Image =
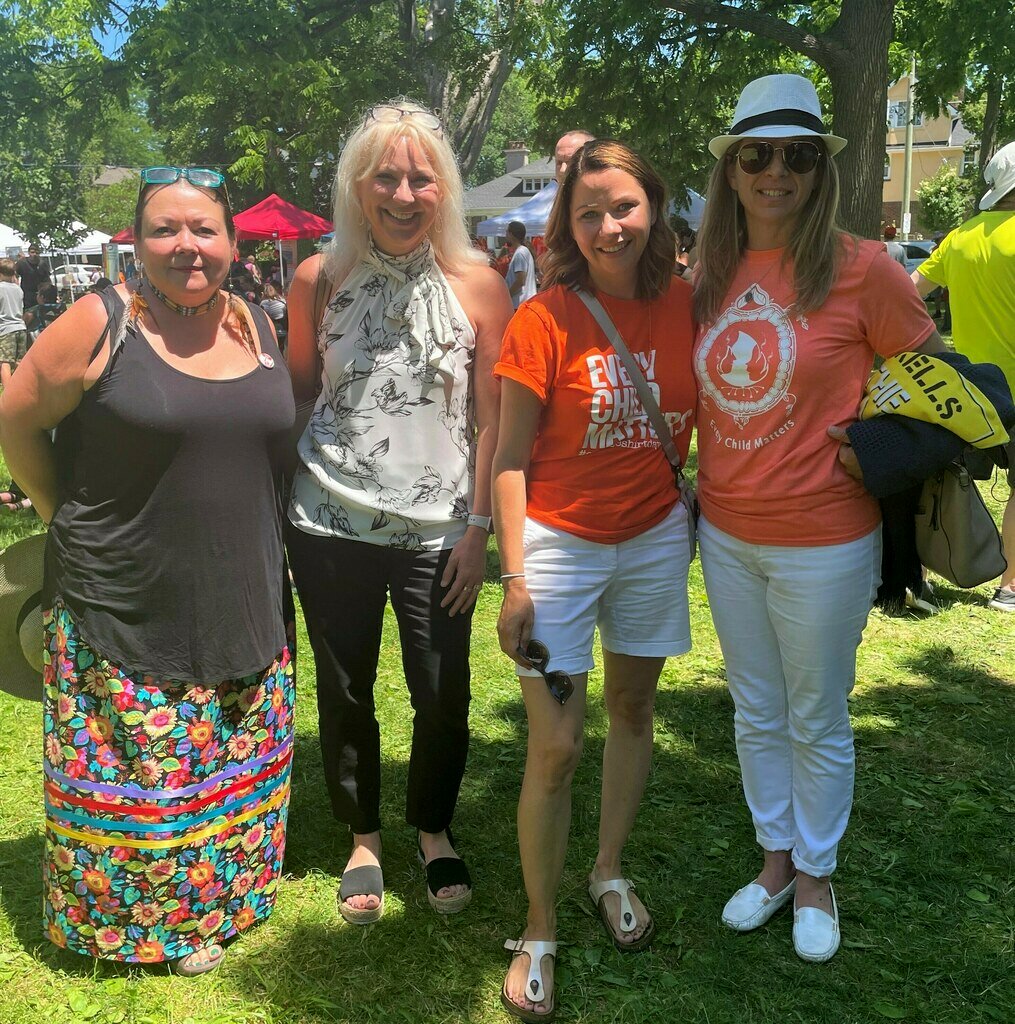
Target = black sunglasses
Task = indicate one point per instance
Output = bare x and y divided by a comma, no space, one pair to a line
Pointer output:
559,683
799,157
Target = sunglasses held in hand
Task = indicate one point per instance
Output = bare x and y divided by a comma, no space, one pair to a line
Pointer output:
559,684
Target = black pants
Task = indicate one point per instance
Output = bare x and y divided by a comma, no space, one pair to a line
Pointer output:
343,587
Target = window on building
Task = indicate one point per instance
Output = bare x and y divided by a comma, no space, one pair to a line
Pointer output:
888,166
897,115
530,186
968,162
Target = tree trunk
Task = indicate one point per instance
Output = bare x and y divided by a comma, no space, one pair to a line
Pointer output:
991,114
854,54
859,76
467,122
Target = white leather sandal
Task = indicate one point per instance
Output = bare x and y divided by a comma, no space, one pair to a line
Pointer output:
535,990
628,920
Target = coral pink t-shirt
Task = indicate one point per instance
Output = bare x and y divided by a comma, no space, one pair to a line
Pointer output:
771,382
597,469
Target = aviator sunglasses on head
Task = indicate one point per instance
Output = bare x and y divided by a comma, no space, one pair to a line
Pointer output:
386,113
203,177
799,157
559,684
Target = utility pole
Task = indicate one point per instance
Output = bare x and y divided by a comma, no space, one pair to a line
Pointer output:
907,164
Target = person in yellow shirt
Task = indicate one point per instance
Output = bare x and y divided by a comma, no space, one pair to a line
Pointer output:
976,263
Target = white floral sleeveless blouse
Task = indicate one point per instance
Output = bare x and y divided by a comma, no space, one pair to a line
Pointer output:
388,456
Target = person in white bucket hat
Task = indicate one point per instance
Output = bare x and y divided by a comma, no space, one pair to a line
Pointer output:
976,263
792,312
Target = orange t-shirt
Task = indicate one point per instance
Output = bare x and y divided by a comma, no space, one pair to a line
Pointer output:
772,382
597,469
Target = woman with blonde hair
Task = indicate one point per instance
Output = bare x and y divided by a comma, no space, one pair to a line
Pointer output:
395,329
590,529
792,313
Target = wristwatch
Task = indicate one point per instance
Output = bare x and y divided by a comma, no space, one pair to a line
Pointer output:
483,522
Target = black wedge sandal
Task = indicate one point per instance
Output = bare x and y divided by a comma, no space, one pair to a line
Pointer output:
442,872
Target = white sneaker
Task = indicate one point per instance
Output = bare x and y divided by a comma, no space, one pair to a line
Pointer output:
750,907
816,934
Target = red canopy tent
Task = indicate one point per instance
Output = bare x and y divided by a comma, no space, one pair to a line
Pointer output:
126,235
273,219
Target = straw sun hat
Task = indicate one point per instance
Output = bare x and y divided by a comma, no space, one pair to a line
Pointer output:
21,618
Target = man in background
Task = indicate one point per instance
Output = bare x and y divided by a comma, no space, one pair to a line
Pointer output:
976,263
567,145
32,272
895,250
521,271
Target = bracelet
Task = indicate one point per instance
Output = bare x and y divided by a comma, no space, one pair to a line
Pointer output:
512,576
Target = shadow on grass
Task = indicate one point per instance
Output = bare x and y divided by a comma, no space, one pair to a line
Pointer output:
923,839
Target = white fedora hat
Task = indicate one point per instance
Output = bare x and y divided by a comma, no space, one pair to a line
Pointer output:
777,107
999,174
21,638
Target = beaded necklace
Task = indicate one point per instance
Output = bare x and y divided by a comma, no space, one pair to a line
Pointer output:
204,307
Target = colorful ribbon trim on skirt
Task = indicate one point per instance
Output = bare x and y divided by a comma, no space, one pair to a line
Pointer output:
125,816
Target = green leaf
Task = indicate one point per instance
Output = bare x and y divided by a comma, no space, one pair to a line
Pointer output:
890,1010
77,1001
977,896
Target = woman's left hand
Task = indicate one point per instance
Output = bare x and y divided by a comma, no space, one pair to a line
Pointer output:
847,457
464,573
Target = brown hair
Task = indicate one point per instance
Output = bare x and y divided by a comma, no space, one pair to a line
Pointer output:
815,246
563,262
7,268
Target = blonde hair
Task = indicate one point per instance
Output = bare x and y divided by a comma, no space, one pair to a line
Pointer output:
369,142
563,262
815,247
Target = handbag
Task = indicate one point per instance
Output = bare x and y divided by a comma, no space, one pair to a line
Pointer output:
662,431
956,535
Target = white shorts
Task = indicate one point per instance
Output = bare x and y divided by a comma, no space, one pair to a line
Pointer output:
635,591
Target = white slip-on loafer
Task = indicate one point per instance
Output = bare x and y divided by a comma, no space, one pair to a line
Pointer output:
816,934
751,906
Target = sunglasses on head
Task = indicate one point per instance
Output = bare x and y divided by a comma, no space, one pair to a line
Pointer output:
558,683
799,157
387,113
203,177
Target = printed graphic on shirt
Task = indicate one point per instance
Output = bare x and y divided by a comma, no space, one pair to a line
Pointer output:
617,418
744,365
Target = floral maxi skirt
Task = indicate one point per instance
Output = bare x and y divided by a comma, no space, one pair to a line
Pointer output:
166,802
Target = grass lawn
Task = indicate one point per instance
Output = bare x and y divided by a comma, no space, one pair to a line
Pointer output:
925,883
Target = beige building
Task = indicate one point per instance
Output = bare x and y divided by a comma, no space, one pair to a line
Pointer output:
936,141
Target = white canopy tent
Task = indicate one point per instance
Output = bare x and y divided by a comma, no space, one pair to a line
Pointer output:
9,239
533,213
694,210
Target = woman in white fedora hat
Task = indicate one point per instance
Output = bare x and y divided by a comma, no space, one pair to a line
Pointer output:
792,312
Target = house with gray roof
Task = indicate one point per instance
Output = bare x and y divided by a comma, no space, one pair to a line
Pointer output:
520,182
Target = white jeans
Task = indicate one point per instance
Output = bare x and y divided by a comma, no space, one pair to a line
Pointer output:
789,621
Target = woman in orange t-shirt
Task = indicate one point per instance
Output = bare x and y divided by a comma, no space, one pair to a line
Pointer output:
590,530
792,313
